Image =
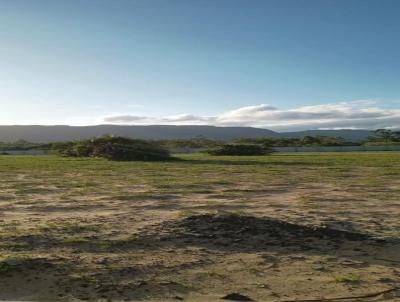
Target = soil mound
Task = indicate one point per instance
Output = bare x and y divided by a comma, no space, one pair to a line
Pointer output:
227,229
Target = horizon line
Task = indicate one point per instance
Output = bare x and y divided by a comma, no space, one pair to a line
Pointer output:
163,125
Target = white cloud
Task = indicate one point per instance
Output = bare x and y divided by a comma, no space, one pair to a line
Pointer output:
354,115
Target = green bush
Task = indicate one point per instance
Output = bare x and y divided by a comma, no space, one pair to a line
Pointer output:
115,148
240,149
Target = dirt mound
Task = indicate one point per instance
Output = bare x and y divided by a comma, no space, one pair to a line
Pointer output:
230,229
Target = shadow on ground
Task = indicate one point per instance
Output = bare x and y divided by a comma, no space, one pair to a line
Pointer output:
221,233
239,233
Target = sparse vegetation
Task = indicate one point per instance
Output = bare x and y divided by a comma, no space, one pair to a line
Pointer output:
351,278
65,227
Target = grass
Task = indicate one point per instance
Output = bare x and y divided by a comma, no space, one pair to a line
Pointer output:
351,278
75,241
195,174
24,178
65,227
189,174
121,242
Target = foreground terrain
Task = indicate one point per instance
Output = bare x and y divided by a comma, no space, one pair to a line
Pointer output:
286,227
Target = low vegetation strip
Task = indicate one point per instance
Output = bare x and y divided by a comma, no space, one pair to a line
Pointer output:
380,137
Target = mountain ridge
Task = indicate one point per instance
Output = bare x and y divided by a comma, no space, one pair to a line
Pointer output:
44,134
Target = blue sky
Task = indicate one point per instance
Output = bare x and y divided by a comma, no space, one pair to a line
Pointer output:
283,65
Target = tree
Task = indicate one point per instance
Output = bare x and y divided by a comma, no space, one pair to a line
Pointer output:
115,148
385,135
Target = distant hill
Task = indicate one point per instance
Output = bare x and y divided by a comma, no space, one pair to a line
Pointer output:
64,133
347,134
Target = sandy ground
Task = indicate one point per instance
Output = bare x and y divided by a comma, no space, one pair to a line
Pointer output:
269,243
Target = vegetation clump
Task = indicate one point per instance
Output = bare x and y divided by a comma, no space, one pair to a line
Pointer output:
352,278
115,148
240,149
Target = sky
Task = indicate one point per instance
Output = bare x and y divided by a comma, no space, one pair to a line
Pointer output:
277,64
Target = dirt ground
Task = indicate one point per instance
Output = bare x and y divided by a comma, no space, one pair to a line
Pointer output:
278,228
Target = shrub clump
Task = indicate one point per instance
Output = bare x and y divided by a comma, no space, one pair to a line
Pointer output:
115,148
240,149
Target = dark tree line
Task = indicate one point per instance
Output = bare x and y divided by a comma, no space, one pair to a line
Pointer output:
109,144
306,141
19,145
385,135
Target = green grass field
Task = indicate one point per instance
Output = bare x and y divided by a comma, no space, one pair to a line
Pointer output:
197,173
91,229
